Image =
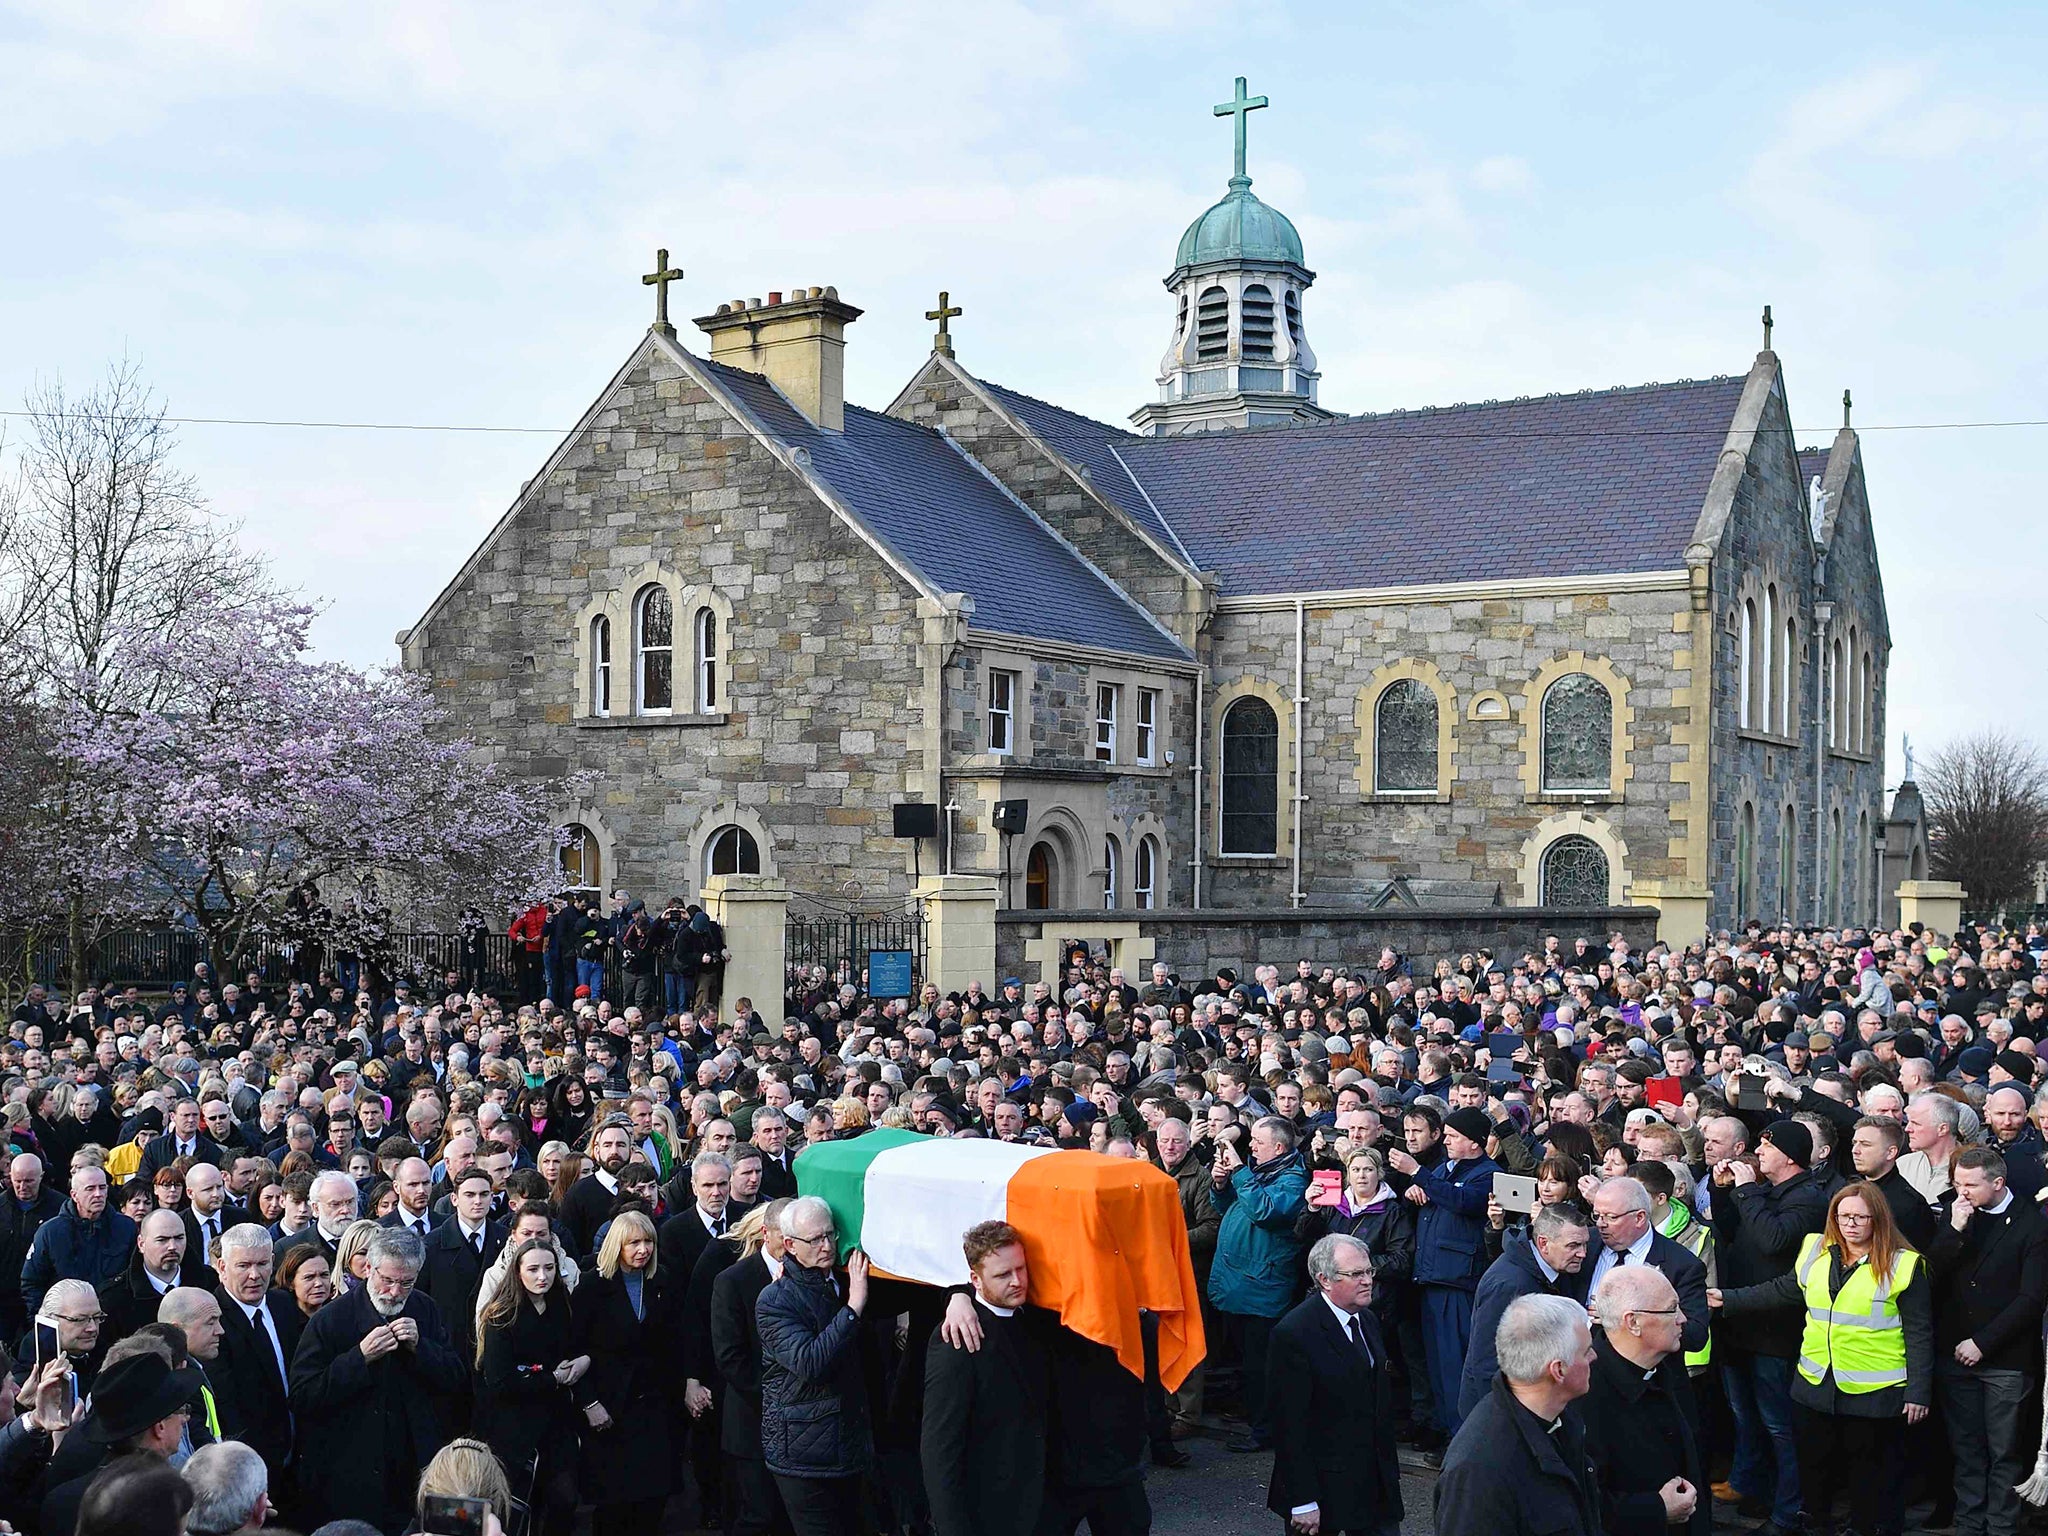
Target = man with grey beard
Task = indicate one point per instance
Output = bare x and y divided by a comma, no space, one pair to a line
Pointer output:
372,1386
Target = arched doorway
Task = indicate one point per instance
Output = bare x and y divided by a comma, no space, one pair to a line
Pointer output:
1041,877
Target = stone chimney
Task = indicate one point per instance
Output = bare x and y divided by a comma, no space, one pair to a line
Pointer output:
796,340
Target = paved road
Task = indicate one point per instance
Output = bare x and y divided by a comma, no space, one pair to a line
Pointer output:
1219,1494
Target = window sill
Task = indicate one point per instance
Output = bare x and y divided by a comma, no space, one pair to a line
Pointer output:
1848,756
648,722
1408,797
1767,738
1248,858
1573,797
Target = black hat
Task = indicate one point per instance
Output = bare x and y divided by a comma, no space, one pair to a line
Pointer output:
1469,1123
1791,1139
132,1394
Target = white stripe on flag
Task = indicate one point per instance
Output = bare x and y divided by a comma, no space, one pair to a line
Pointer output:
920,1201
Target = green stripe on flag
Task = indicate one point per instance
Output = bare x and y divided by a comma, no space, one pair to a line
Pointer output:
837,1172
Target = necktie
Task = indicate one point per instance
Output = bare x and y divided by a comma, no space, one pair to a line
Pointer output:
478,1240
1358,1338
261,1318
1621,1258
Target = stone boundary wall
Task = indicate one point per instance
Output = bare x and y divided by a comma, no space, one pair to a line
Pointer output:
1195,943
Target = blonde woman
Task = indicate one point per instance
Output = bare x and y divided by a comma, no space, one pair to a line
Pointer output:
352,1256
465,1469
628,1315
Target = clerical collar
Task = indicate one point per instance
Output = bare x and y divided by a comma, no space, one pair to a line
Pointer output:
1999,1209
999,1311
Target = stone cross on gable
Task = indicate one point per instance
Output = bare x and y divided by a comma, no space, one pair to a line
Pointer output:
659,279
943,342
1238,107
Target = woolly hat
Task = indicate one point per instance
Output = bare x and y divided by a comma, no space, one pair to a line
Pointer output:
1470,1123
1791,1139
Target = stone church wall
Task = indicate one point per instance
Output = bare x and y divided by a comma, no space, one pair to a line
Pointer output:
1768,540
1488,658
939,400
825,725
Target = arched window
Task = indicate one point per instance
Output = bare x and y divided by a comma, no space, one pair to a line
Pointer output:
1788,680
654,645
1853,729
1145,882
1867,707
1578,734
1574,874
1256,310
1837,715
1745,666
705,638
1745,863
1788,867
1767,665
1112,873
732,851
1404,737
600,665
1251,777
582,865
1212,326
1040,877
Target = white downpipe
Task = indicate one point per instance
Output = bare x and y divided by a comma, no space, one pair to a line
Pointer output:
1201,732
1823,717
1296,896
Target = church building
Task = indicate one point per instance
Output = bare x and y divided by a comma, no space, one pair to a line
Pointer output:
1574,651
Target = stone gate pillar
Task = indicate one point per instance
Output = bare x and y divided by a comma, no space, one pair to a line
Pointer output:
960,931
752,910
1936,905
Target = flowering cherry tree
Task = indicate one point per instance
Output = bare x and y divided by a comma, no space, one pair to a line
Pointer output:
261,772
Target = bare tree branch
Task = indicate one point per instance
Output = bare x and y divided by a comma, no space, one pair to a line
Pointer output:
1987,815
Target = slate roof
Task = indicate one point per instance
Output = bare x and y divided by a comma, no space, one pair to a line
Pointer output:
1091,445
1563,485
956,527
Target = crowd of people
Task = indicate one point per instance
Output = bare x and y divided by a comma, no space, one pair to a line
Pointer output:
1616,1240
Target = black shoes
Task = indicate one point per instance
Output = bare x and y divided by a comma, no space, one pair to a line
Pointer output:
1170,1455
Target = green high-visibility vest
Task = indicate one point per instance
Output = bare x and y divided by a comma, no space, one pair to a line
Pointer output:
1693,1237
1854,1332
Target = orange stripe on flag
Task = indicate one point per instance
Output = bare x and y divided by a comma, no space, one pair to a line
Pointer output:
1105,1236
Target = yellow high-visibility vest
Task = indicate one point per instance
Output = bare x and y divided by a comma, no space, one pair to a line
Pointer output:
1855,1332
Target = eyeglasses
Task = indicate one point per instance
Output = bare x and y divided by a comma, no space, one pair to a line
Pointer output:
90,1317
1670,1311
1351,1274
826,1236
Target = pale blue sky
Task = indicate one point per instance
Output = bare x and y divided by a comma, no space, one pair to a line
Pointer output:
415,213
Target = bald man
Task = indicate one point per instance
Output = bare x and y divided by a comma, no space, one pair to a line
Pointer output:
162,1262
415,1185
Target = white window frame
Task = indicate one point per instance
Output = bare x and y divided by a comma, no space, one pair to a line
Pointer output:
704,640
1004,682
601,665
642,650
1148,727
1106,721
1145,874
1112,873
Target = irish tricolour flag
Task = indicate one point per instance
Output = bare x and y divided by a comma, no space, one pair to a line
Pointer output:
1104,1235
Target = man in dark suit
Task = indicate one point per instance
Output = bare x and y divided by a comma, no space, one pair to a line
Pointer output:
161,1263
984,1435
208,1212
778,1167
259,1335
370,1389
1621,1212
415,1186
688,1231
1549,1262
1991,1284
753,1502
590,1198
332,1203
457,1254
1334,1466
183,1139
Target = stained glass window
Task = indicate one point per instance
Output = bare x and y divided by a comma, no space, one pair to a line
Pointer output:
1574,873
1404,746
1251,778
1578,733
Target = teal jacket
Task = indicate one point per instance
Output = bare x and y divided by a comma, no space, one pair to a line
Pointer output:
1257,1268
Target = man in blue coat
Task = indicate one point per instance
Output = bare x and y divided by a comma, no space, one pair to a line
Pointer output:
1548,1262
1450,1179
84,1241
1252,1278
